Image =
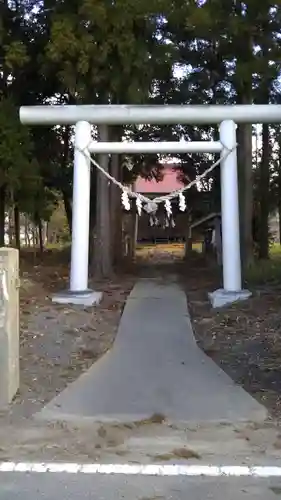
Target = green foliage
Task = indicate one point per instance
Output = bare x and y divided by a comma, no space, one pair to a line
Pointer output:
15,55
264,272
105,49
16,162
125,52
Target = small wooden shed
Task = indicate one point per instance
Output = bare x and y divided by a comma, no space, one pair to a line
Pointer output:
159,227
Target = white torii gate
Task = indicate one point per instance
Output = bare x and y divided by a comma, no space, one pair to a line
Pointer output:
83,116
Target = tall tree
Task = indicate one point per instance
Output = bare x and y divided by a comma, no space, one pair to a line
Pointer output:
104,53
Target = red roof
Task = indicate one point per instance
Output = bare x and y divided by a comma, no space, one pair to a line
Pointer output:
169,183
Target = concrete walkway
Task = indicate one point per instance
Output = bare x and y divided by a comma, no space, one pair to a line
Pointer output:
155,366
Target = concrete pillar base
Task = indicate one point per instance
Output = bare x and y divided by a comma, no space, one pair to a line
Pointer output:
9,326
85,298
221,297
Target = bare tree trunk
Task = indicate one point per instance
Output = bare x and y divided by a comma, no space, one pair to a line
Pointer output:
249,197
116,210
68,209
136,231
93,217
11,227
34,237
2,214
17,225
26,232
279,220
279,185
40,232
102,262
187,236
264,195
115,201
33,229
132,236
64,166
245,96
245,192
264,186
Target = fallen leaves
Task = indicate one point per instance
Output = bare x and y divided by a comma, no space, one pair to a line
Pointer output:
245,339
58,342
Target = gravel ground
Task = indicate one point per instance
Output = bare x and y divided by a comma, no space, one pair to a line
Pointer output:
244,339
58,343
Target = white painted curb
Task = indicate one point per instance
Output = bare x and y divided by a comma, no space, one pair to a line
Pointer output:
143,470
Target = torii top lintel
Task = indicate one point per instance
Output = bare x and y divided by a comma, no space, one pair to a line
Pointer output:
140,114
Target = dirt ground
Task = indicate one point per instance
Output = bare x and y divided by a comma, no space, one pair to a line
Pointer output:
244,339
58,343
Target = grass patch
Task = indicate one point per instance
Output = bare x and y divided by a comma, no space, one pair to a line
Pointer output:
176,249
178,453
185,453
156,418
262,272
197,247
275,250
164,457
152,248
